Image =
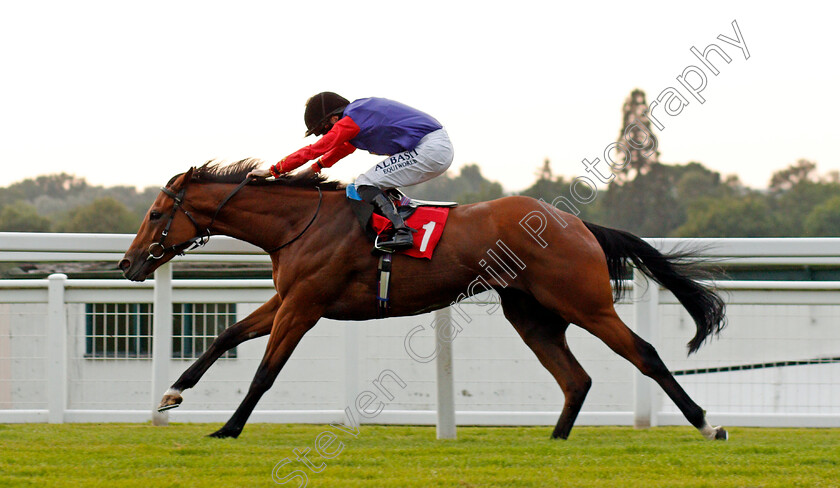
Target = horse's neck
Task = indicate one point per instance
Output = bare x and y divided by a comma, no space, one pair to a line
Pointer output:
267,218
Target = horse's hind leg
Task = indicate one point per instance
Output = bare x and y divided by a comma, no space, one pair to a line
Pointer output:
257,324
545,333
608,327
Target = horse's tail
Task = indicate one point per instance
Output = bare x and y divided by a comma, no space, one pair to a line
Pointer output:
673,271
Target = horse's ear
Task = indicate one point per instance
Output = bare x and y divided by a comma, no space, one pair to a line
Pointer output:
182,179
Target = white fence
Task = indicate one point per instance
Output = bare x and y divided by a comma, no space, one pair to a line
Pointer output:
776,363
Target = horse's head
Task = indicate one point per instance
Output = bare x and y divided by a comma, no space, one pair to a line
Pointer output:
166,231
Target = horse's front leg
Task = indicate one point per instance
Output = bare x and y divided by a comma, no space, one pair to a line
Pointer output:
290,324
257,324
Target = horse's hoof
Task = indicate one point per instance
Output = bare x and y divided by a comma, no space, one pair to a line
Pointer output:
224,433
559,435
721,434
170,401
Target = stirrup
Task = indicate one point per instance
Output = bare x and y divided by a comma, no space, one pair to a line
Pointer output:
393,246
379,248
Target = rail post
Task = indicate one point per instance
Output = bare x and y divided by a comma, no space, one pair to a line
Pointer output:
56,349
161,340
646,323
352,331
445,380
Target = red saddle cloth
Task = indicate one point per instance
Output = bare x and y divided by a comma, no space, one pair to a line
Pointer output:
429,222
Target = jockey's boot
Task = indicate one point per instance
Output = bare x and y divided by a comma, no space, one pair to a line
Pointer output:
401,238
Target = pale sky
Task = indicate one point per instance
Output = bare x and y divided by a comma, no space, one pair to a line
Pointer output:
135,92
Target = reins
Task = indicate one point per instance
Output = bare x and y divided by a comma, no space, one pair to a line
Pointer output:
203,235
320,199
227,199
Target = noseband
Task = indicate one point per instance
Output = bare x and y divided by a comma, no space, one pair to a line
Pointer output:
203,234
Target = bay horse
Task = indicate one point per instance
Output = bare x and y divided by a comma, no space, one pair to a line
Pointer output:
322,267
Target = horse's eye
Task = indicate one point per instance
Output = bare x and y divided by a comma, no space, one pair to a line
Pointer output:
154,215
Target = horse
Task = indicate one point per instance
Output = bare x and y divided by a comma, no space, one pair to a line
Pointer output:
322,266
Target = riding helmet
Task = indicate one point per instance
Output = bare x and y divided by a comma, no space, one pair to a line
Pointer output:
320,108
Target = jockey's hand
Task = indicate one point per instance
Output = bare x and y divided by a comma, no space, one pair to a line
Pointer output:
259,173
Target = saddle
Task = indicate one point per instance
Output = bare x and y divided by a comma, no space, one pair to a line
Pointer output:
407,208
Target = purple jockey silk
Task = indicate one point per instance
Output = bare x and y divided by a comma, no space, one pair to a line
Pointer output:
387,127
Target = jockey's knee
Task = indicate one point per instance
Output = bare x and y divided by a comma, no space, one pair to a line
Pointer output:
368,192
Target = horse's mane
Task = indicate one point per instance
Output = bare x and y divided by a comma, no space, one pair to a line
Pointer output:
216,172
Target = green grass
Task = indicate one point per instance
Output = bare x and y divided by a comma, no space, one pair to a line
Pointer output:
402,456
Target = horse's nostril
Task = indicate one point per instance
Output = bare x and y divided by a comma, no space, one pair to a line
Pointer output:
124,265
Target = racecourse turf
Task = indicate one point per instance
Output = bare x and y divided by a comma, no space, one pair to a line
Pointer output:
180,455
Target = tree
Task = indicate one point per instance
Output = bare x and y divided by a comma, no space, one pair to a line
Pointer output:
105,215
137,202
654,203
796,191
23,217
545,173
748,216
636,135
547,186
792,206
694,181
801,171
824,219
56,185
468,187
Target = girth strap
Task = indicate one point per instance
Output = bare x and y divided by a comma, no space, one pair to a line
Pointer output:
384,285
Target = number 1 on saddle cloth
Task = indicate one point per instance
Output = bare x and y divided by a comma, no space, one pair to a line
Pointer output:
429,218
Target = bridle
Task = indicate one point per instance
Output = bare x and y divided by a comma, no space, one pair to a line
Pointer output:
203,234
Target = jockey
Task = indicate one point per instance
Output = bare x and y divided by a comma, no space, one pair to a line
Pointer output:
417,146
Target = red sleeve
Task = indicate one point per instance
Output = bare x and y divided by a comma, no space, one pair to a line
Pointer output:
333,141
336,154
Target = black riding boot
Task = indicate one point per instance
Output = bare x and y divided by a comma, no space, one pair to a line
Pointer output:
401,239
